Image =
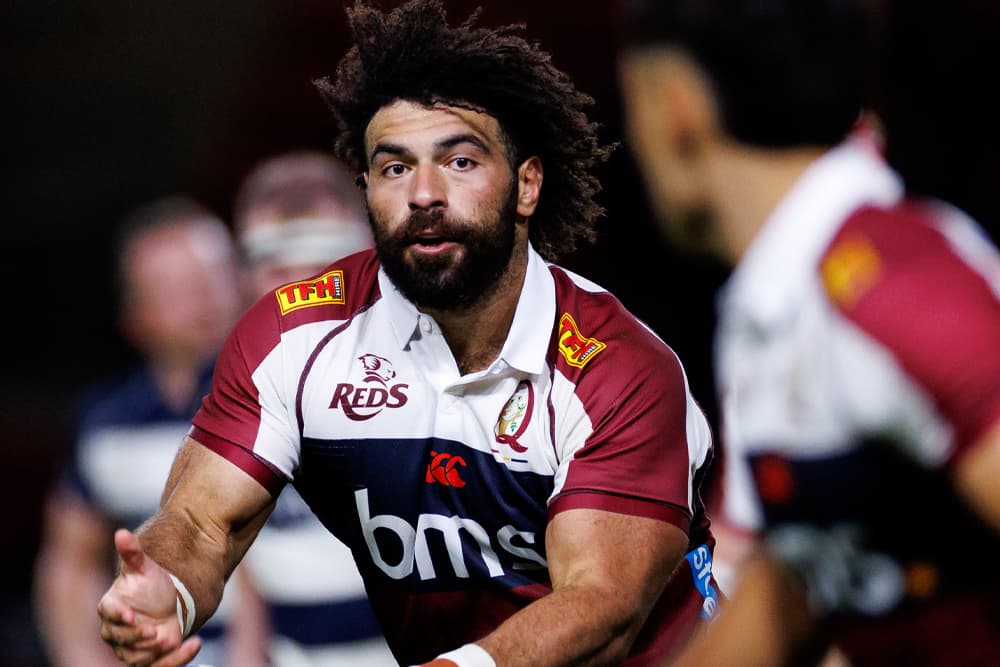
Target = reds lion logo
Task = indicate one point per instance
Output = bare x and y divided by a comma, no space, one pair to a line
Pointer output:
377,369
361,403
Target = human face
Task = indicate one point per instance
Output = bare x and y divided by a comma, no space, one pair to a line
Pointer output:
668,117
181,291
443,202
281,249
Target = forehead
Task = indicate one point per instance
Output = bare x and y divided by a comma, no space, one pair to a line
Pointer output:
179,248
414,125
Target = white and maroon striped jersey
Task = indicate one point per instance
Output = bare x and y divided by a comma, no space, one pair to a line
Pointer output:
442,484
858,358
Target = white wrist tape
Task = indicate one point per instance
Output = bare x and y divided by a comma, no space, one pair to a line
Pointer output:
185,620
470,655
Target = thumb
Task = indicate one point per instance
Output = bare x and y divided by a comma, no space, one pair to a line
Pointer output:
130,551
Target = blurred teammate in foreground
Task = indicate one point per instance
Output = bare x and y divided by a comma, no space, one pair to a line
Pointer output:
858,357
177,281
512,457
296,213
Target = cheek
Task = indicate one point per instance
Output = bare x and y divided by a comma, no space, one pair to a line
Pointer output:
479,199
645,139
385,210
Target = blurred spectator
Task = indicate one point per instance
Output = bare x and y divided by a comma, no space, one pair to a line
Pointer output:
295,214
858,359
178,293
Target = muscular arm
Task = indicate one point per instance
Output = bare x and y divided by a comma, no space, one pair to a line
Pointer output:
209,514
765,622
977,474
71,572
607,571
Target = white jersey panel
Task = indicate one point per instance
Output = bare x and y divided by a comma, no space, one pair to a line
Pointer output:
277,437
572,427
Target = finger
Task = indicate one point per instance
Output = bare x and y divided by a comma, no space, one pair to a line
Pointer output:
146,651
127,635
182,655
136,657
113,610
128,548
151,641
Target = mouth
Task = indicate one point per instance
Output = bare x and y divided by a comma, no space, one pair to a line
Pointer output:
431,244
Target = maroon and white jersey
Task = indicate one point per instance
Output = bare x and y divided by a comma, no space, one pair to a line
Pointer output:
442,484
858,358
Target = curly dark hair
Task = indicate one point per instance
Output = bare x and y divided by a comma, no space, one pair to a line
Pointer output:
411,53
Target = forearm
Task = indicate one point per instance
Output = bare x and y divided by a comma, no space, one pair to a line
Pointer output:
200,559
582,625
607,571
204,525
766,621
976,477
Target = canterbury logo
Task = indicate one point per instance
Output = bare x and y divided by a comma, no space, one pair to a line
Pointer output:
443,469
576,348
328,288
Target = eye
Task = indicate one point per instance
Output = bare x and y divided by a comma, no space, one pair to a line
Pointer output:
463,163
393,170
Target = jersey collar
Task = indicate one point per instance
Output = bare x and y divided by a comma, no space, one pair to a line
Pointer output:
530,331
784,254
528,340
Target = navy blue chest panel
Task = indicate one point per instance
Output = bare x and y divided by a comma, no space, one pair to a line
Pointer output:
429,513
290,511
882,513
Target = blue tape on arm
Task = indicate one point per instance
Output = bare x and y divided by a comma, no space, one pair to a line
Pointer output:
700,560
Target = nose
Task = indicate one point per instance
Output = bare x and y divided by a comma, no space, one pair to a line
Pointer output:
427,188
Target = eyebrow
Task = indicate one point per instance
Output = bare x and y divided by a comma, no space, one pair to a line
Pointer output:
399,150
391,149
467,138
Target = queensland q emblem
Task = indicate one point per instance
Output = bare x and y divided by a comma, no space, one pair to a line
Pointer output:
515,416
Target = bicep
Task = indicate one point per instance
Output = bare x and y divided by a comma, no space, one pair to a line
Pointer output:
630,556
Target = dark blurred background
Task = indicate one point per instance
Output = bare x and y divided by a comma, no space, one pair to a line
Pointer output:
109,104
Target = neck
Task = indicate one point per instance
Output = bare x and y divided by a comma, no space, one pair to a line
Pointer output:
176,378
476,333
748,184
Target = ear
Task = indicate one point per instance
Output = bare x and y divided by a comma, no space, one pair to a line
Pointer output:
689,103
529,186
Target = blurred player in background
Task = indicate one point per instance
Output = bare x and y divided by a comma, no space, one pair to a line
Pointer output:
295,214
858,352
178,293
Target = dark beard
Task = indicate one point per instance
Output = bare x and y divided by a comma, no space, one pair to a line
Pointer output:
444,282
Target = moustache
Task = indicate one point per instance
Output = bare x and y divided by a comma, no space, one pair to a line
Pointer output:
422,224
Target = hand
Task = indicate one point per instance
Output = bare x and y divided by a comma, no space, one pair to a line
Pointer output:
139,611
